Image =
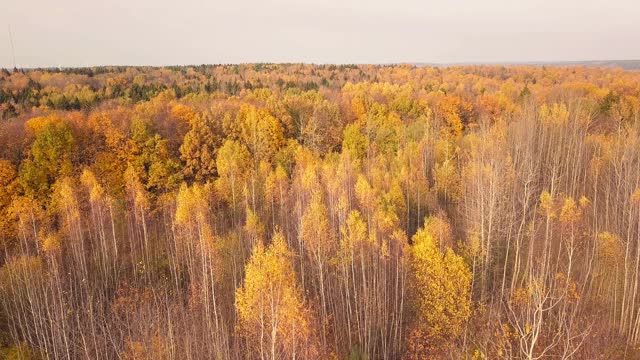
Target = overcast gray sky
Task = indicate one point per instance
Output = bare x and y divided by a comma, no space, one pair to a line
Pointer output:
161,32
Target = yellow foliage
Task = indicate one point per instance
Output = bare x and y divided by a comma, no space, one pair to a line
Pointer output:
192,205
64,201
365,193
254,227
570,213
584,202
441,230
51,243
610,251
558,114
521,295
260,132
442,286
354,141
270,302
447,180
88,179
546,203
37,124
183,113
198,148
353,234
315,229
276,185
136,190
233,164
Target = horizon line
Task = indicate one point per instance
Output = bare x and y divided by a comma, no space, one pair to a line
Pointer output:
603,62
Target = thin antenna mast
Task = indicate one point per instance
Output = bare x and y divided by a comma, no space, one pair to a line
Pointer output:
13,50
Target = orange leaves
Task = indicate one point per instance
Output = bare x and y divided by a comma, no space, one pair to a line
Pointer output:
26,211
7,174
453,111
183,113
7,191
497,105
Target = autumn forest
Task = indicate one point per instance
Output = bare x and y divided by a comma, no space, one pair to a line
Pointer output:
290,211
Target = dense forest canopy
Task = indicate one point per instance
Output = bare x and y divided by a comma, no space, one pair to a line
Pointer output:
271,211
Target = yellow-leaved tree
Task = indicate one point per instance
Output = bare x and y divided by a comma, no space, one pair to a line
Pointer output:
273,316
233,164
441,287
260,132
319,240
